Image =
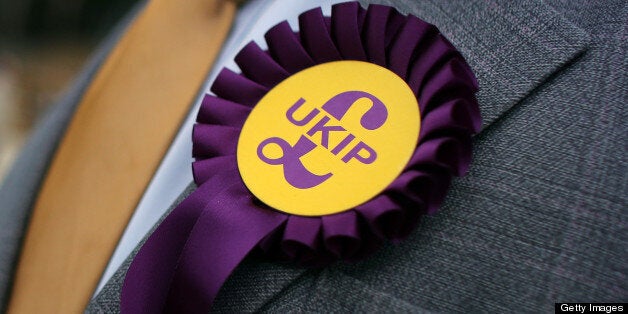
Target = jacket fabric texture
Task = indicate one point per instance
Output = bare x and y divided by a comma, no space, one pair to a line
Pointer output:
540,217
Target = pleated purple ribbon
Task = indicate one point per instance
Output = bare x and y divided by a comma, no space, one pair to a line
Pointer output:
183,264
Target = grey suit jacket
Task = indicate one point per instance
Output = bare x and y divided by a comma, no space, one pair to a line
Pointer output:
541,216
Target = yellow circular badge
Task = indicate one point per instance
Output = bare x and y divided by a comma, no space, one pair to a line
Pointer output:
328,138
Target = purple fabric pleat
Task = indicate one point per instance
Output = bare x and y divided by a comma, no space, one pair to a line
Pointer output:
433,52
285,46
402,50
316,38
227,230
183,264
446,84
259,66
237,88
454,115
346,30
214,140
342,237
222,112
203,169
374,34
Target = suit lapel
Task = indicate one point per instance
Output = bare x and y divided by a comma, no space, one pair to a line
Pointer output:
513,49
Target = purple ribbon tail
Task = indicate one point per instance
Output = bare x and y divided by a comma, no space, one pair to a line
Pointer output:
183,264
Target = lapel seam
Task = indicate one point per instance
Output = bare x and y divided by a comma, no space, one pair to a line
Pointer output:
498,71
506,113
512,68
537,81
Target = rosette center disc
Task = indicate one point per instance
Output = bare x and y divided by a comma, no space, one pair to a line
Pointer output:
328,138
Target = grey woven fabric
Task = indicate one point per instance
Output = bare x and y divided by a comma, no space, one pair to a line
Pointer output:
112,289
541,216
21,185
539,219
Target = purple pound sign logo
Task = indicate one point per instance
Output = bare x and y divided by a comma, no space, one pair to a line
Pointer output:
293,169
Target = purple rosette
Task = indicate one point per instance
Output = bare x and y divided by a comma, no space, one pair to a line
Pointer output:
184,262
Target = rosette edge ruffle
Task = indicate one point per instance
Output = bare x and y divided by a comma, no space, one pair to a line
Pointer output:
413,49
